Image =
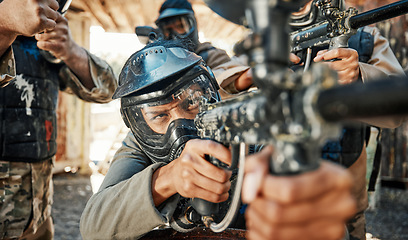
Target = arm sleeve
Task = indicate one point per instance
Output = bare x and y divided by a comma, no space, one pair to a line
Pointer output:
228,72
123,208
225,69
102,76
7,67
382,64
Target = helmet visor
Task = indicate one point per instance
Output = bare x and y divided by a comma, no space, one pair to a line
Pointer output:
176,26
181,104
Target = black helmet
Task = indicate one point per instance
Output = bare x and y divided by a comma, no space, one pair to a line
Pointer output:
180,13
153,81
312,14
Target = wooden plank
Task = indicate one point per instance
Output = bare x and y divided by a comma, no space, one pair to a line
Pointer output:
98,12
114,9
150,10
132,11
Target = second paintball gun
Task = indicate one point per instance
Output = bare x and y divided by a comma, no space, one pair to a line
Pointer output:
335,31
341,25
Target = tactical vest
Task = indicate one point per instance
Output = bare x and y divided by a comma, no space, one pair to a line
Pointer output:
348,148
28,106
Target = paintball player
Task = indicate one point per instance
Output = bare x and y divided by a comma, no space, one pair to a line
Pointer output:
22,17
161,162
177,20
367,58
29,102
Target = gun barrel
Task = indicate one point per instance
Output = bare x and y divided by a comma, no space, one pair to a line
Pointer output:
308,37
386,97
379,14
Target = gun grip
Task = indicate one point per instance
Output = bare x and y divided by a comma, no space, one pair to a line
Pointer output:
204,207
216,162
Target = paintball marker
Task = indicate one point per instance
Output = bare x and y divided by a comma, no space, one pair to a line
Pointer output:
340,26
295,111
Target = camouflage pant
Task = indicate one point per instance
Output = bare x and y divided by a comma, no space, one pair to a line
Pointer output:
25,197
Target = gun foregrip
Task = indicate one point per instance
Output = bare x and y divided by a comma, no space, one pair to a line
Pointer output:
204,207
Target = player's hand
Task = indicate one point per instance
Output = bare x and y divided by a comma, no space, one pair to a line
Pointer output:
28,17
59,40
192,176
312,205
345,63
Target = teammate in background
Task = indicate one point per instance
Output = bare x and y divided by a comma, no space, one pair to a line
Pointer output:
177,20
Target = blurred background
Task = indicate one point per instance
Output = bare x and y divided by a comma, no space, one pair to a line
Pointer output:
89,134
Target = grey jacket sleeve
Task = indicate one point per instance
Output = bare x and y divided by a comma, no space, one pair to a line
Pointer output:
382,64
225,69
123,208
